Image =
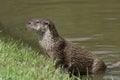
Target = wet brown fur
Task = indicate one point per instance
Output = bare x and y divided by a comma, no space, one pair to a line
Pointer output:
69,56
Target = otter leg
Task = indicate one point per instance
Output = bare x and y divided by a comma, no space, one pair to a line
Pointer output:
73,69
58,63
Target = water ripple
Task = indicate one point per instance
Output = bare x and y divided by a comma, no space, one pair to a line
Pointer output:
79,39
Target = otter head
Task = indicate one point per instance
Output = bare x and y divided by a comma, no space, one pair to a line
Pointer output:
42,25
39,25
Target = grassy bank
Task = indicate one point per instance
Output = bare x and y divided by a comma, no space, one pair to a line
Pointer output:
18,62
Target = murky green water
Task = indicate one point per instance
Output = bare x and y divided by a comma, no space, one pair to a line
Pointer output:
95,24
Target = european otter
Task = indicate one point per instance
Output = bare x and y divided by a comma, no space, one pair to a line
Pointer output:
67,55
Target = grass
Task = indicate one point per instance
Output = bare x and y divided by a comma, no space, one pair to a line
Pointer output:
18,62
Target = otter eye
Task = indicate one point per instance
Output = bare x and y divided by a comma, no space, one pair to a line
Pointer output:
37,22
46,23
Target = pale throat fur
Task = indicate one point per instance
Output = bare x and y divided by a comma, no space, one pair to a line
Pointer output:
48,36
47,41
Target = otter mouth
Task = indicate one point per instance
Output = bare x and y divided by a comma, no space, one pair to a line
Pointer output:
30,28
34,29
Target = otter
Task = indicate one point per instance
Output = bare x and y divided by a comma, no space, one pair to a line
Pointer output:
67,55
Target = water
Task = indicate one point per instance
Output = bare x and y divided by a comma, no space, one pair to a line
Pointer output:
92,24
